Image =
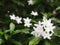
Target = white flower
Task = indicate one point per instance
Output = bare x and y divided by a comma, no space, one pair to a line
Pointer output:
48,26
46,22
38,30
44,29
27,22
18,19
12,17
30,2
34,13
46,35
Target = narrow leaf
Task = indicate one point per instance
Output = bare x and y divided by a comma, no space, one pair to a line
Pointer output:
26,31
34,41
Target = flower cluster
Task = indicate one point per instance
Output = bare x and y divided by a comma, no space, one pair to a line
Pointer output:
44,29
26,20
17,18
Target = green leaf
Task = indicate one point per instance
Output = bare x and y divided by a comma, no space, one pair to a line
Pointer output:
1,33
34,41
6,31
12,27
47,15
58,8
55,40
18,2
16,42
1,41
57,33
55,20
6,36
36,1
26,31
1,3
47,42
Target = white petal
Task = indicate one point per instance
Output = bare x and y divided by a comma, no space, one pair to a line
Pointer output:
12,17
34,13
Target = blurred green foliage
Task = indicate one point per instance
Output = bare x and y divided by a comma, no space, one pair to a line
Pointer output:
14,34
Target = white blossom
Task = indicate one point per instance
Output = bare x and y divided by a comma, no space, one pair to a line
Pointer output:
46,35
38,30
18,19
48,26
27,22
12,17
44,29
34,13
30,2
